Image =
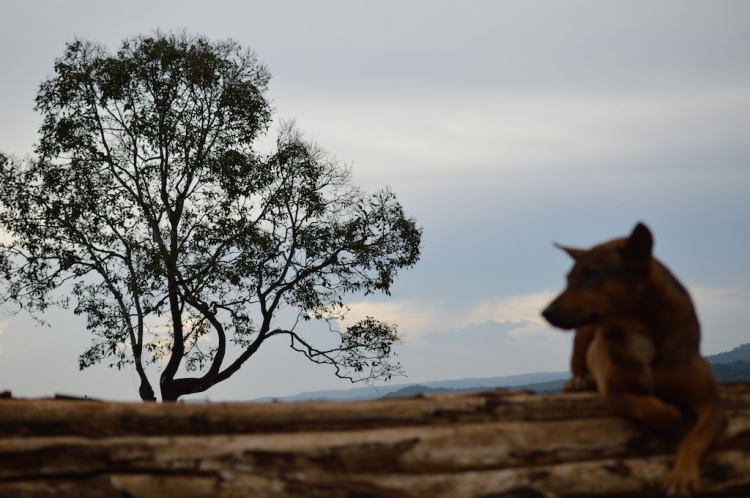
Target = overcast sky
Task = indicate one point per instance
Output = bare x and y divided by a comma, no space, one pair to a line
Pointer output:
502,127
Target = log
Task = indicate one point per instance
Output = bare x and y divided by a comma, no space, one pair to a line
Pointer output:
498,444
96,419
20,417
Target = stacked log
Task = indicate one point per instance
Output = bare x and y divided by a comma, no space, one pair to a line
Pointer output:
493,444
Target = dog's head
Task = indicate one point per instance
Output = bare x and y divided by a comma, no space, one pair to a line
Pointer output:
605,281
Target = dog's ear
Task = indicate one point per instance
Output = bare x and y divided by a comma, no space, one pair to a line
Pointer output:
639,244
574,253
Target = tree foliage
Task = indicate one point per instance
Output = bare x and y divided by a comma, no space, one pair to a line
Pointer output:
734,371
147,199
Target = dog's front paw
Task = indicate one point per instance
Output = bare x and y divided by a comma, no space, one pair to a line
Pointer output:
579,383
682,481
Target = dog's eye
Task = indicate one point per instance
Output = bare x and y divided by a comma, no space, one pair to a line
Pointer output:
589,274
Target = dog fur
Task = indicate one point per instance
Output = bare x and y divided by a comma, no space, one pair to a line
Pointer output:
637,342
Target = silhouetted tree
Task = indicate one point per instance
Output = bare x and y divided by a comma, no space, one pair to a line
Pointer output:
147,201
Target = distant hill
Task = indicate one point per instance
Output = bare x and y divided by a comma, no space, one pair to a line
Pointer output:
552,386
738,353
469,384
731,366
735,371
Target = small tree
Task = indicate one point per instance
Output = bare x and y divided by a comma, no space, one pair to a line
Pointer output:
147,199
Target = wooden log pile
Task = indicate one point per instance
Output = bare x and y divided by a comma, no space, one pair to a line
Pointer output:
494,444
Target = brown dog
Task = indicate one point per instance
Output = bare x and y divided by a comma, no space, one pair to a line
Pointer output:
637,342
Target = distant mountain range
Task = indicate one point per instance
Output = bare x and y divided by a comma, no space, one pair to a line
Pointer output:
731,366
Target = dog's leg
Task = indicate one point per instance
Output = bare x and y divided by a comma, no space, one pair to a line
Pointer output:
582,379
703,396
685,474
648,409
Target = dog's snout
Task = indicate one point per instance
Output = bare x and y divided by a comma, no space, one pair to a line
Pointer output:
551,313
566,318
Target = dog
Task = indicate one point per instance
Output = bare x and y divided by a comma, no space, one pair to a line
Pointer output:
637,343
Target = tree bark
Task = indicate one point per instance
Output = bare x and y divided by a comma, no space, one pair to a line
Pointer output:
498,444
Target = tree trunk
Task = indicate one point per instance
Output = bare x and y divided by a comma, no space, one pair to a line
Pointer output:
499,444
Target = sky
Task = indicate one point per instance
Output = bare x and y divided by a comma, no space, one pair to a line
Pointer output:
502,127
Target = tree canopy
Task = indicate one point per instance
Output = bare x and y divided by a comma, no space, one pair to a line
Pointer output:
148,203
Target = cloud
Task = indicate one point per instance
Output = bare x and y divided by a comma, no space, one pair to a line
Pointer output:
519,308
517,316
412,317
490,333
445,339
713,301
419,318
486,349
503,132
724,315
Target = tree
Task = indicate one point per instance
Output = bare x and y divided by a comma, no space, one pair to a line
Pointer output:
147,209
